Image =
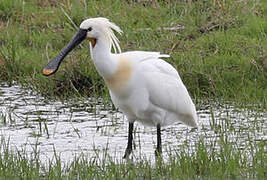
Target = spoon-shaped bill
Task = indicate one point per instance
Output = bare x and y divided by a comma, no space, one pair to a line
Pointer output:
54,64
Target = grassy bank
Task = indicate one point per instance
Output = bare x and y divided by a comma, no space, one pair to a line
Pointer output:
219,51
205,163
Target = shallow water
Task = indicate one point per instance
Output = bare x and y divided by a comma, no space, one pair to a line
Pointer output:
30,123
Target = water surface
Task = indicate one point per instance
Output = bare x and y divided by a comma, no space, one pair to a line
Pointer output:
31,123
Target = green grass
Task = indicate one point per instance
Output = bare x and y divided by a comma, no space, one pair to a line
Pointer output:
221,53
219,157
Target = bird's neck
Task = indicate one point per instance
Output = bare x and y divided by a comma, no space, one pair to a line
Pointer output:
103,58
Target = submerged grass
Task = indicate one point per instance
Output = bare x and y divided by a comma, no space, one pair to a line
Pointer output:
202,160
230,144
220,52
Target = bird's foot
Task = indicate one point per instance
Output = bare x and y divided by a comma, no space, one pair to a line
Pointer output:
127,153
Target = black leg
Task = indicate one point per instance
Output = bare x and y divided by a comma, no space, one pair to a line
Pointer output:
158,151
130,141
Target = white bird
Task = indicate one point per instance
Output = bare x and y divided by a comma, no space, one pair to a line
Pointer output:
141,85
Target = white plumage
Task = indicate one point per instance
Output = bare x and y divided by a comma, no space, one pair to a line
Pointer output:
154,93
142,85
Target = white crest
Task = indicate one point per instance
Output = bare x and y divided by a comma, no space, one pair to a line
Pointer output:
107,27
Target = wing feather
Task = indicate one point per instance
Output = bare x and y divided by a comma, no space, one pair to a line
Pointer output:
167,91
164,85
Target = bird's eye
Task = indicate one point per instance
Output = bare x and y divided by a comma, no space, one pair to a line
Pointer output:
89,29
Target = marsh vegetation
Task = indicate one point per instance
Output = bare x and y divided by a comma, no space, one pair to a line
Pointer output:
64,126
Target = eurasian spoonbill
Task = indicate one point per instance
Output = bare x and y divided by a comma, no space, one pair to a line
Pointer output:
141,85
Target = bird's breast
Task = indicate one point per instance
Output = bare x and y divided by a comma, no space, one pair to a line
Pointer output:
119,80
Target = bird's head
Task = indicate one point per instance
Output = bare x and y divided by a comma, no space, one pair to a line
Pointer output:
101,28
93,29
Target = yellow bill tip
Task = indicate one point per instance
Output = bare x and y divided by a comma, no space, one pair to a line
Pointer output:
48,72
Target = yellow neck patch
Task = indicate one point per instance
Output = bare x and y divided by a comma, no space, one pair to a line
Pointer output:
121,76
93,41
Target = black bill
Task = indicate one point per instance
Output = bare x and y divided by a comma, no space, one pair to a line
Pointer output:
53,65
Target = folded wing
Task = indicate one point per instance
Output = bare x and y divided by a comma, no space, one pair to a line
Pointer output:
167,91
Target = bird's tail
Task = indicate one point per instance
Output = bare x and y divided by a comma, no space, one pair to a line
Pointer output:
164,55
